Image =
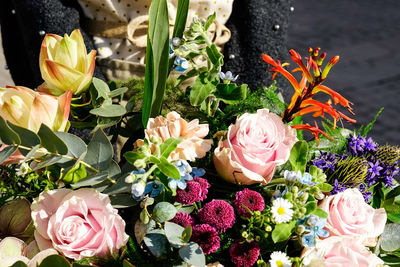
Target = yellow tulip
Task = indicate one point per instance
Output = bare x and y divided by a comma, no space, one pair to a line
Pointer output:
65,64
26,108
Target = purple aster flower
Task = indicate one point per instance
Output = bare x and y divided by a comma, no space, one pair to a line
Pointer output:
183,219
244,254
204,187
337,187
326,161
217,213
251,199
370,145
190,194
207,237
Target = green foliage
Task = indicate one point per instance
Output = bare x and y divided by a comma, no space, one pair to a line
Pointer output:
298,156
54,260
363,131
157,57
163,212
390,238
283,231
192,254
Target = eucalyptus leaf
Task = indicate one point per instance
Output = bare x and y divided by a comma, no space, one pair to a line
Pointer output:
76,146
164,211
99,152
157,242
113,110
101,88
192,254
54,260
117,92
142,229
121,201
47,161
174,233
19,264
7,152
51,141
187,233
28,138
77,173
7,135
91,180
390,238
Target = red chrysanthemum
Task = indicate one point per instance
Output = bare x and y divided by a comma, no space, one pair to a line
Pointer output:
245,254
190,194
204,187
183,219
217,213
207,237
251,199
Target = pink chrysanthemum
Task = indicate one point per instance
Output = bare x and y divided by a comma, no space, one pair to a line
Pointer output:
190,194
204,187
251,199
183,219
207,237
245,254
217,213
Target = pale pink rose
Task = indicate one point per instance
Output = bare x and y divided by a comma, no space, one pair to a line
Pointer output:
255,145
78,224
193,145
338,251
348,214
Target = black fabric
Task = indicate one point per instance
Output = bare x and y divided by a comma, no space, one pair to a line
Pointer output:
254,32
21,23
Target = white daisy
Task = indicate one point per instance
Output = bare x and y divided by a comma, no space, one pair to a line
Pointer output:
23,169
281,210
280,259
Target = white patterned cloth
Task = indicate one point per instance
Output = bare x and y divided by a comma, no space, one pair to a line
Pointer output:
121,58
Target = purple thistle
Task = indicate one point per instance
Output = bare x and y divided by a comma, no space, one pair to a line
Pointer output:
244,254
217,213
207,237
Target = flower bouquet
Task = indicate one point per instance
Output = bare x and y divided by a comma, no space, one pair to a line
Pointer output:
225,176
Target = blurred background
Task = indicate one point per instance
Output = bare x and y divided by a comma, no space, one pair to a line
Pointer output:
366,35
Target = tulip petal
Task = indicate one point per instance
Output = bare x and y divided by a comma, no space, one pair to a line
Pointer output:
43,110
80,50
63,77
66,52
64,105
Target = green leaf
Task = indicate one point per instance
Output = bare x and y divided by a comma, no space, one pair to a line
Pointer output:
76,146
394,192
320,213
28,138
51,141
210,19
15,217
201,89
119,187
7,152
122,201
192,254
395,218
283,231
7,135
47,161
215,56
157,243
174,232
157,57
164,211
117,92
377,198
108,111
132,156
101,88
169,146
91,180
19,264
324,187
310,206
368,128
168,169
390,238
187,233
75,174
231,93
181,18
54,260
31,153
99,151
298,156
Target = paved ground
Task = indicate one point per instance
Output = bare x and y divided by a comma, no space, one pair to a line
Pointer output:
366,35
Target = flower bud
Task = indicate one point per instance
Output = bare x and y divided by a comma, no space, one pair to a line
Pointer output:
140,163
268,228
137,189
303,198
245,235
300,229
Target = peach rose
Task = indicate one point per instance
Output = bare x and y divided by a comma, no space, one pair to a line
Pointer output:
78,224
193,145
339,251
255,145
348,214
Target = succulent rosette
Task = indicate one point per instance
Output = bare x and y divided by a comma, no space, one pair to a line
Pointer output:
255,145
65,64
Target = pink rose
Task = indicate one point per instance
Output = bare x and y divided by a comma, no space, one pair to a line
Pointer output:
255,145
348,214
337,251
79,223
193,145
